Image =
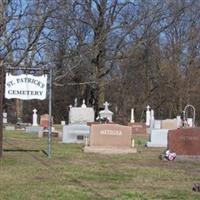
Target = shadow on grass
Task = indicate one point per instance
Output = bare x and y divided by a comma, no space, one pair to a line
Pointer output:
26,150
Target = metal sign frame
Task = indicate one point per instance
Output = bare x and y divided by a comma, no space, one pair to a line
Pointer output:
47,70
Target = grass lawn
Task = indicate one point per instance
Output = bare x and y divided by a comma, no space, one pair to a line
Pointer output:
74,175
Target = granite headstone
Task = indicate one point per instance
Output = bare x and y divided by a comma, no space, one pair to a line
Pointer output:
185,142
110,138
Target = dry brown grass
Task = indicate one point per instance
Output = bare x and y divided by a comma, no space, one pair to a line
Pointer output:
72,174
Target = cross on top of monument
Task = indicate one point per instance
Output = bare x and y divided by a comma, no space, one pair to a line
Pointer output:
34,111
75,102
83,105
106,104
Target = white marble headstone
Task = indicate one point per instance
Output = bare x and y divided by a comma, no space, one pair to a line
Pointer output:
158,138
132,116
81,115
157,124
5,121
148,116
152,120
178,122
35,117
190,122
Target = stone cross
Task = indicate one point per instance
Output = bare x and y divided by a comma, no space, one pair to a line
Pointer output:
106,104
83,105
35,117
148,116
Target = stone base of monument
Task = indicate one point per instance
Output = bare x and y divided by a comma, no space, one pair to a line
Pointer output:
33,129
186,157
45,133
75,133
9,128
109,150
158,138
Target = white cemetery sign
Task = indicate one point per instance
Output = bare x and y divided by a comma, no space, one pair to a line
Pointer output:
25,86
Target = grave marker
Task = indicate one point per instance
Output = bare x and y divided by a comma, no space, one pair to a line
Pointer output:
35,123
138,128
106,113
77,129
110,138
5,121
185,142
44,121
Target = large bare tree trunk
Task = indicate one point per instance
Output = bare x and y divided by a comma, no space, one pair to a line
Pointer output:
101,93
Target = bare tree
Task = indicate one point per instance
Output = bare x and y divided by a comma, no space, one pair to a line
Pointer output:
23,28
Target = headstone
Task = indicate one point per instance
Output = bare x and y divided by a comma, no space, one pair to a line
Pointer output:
152,119
190,122
75,133
81,115
77,129
10,128
106,113
169,124
62,123
157,124
138,128
44,121
148,116
54,133
132,116
83,105
5,121
158,138
35,123
185,142
178,122
20,125
34,128
110,138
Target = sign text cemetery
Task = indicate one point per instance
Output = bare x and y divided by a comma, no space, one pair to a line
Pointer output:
25,86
